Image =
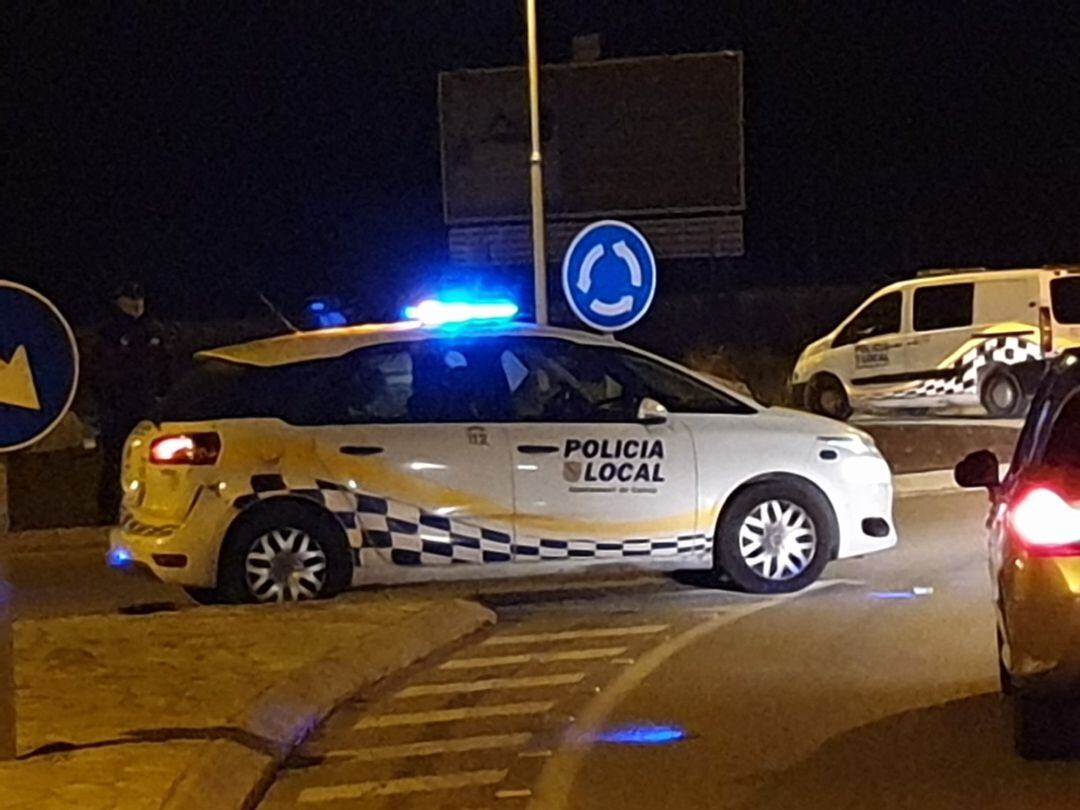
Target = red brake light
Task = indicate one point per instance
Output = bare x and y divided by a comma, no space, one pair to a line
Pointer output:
195,449
1046,524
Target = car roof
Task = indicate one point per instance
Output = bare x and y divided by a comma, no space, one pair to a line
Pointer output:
321,344
929,278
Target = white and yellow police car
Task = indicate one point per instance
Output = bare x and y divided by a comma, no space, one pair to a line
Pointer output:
292,467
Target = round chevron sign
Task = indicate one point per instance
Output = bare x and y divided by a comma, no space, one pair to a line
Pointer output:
39,366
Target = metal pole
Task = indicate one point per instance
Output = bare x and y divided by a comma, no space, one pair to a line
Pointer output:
7,633
536,170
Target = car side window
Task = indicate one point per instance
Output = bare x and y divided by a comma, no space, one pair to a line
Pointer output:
1063,443
944,306
560,381
679,393
457,381
880,317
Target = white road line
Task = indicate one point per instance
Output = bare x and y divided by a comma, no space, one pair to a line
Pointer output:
454,715
521,793
534,658
430,748
552,788
570,635
489,684
397,787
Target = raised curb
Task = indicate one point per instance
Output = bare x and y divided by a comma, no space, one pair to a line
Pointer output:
46,541
228,774
929,483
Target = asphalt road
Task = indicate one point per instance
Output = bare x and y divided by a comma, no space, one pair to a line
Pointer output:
870,690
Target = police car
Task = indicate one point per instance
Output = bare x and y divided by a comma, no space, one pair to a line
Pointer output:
947,339
292,467
1035,565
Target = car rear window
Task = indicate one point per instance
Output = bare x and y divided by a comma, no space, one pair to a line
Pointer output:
1065,299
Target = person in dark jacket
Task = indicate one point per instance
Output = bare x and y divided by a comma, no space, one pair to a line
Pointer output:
132,376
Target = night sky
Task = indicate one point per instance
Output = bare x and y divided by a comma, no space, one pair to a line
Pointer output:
216,149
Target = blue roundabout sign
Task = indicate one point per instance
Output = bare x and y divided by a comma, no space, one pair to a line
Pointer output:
39,366
609,275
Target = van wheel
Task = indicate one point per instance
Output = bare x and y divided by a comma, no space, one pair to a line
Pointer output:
284,552
1002,395
775,537
825,395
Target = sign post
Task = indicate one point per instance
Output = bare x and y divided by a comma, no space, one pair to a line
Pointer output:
39,371
609,275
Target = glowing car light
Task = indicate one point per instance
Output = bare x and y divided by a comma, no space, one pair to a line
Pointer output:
642,735
433,312
119,557
1045,522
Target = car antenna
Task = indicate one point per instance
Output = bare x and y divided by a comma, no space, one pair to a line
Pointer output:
277,313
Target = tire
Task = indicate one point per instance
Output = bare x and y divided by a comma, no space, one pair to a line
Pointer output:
1002,395
284,552
825,396
775,537
1041,726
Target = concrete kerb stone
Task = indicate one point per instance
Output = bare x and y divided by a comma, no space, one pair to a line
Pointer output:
934,482
228,774
52,541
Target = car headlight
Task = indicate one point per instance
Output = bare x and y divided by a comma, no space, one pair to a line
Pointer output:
858,443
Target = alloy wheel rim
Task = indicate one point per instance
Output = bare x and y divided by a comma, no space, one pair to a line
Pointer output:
285,565
778,540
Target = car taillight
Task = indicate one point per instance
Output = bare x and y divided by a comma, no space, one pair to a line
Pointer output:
1045,524
1046,331
186,448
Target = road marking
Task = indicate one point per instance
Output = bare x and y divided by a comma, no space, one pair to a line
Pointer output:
570,635
454,715
397,787
430,748
552,788
513,794
534,658
488,684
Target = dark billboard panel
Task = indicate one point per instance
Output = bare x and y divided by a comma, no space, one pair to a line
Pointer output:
655,135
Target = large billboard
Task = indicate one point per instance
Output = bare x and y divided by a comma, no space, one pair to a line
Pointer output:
651,136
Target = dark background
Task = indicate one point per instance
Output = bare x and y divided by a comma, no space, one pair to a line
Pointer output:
216,149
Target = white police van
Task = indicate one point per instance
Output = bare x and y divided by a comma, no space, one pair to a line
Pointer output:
946,339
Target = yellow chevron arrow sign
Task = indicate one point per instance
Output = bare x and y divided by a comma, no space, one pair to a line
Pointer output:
17,382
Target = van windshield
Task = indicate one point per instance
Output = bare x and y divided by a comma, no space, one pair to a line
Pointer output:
1065,299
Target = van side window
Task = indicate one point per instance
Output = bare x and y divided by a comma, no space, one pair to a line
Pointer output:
880,317
943,306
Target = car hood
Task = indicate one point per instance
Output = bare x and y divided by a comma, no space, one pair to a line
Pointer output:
788,420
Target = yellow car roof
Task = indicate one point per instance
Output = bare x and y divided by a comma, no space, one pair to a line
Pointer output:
326,343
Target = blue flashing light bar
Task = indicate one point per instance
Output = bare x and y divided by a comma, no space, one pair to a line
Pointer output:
434,312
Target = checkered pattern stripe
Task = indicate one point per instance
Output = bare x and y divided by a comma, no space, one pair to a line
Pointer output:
129,525
539,548
383,530
1005,350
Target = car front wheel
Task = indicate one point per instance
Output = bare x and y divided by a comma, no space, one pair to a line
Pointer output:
775,537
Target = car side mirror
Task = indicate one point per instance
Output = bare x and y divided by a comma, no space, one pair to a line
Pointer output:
651,412
980,469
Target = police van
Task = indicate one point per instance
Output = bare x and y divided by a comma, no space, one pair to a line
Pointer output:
293,467
946,339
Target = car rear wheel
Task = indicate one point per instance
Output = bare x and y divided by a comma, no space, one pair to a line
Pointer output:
775,537
1043,726
825,395
1002,395
284,553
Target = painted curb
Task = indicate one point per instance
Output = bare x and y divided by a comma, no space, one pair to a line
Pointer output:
228,774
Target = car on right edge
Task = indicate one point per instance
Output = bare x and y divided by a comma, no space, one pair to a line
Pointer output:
1034,542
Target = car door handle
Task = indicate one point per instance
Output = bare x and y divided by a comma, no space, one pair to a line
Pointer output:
537,449
360,450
